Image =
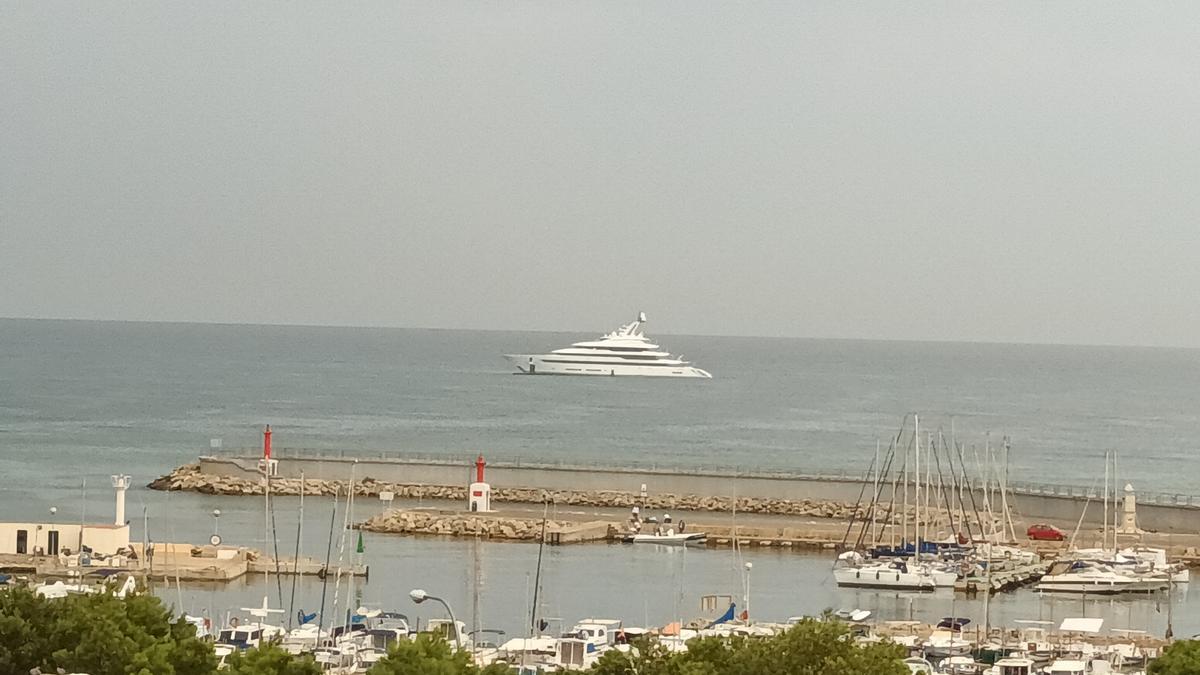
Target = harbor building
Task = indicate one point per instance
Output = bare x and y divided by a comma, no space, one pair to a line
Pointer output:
54,538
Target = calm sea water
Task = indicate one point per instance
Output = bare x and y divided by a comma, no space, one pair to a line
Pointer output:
146,397
82,400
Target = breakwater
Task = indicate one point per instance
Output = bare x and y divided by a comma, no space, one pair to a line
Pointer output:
468,525
191,478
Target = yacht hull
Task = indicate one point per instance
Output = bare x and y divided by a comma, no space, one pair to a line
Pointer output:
1101,587
542,365
850,577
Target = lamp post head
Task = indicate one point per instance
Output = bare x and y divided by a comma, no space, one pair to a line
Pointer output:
418,596
53,510
749,566
216,513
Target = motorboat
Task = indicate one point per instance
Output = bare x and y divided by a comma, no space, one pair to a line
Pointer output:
581,647
248,635
625,351
340,660
304,638
453,632
960,665
944,643
526,654
378,642
669,538
1066,667
918,666
1156,560
1014,665
61,589
1085,577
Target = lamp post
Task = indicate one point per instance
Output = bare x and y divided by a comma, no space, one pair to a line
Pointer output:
419,595
216,518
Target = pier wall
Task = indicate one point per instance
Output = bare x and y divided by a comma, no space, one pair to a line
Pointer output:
1057,504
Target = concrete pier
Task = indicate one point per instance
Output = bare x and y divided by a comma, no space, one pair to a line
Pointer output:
186,562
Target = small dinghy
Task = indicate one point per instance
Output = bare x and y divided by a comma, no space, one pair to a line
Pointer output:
669,539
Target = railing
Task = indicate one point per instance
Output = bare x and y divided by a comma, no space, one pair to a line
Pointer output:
730,470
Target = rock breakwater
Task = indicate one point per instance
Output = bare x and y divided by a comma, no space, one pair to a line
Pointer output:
190,478
459,525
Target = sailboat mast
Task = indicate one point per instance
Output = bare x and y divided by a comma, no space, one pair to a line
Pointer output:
1004,493
904,513
350,604
537,580
1116,516
476,581
917,471
875,497
296,557
1104,544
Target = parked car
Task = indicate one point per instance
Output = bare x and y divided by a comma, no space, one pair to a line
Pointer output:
1044,532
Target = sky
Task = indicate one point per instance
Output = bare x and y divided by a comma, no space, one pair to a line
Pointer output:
1013,172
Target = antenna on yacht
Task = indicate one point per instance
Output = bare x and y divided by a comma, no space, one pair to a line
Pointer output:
641,317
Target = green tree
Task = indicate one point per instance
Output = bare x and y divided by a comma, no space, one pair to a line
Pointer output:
814,647
97,634
1179,658
810,647
271,659
430,655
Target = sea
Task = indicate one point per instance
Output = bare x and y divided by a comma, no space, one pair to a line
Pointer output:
82,400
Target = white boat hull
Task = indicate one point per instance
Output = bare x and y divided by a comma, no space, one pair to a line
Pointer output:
545,365
679,539
1098,587
883,578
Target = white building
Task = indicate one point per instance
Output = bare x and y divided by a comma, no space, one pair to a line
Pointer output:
51,538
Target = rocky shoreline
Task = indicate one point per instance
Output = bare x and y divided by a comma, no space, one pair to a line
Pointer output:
459,525
190,478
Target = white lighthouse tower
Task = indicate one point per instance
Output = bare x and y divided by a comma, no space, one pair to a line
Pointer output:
120,483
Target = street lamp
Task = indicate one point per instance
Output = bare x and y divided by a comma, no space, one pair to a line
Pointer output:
215,539
419,595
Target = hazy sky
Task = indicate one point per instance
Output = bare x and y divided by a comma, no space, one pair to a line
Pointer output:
981,171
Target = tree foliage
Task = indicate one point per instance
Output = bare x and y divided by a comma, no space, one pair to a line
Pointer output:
270,659
430,654
810,647
1179,658
97,634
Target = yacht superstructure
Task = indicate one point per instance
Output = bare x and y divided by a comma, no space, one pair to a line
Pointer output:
625,351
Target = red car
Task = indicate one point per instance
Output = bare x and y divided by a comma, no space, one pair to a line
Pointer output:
1044,532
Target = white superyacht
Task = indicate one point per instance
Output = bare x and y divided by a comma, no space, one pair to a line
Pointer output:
625,351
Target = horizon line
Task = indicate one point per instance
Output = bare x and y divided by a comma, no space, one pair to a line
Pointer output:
547,330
